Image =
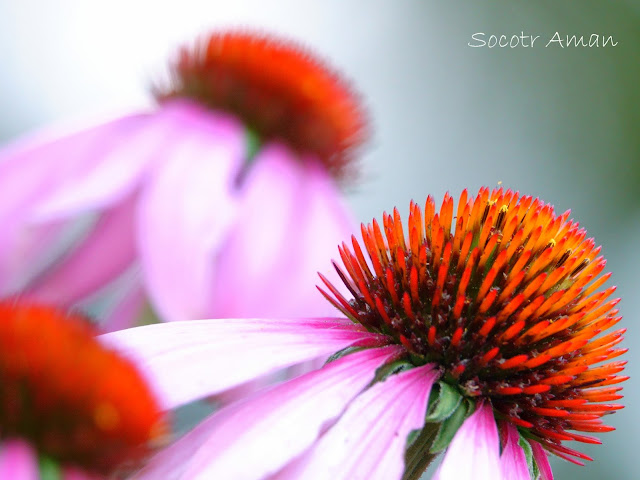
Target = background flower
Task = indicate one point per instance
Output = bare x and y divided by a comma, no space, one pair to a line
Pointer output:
69,407
211,196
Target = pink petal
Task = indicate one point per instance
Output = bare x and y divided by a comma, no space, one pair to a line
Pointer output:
190,360
25,254
43,177
370,439
49,178
513,459
126,312
289,225
542,460
185,212
36,174
105,254
109,161
18,461
474,452
254,438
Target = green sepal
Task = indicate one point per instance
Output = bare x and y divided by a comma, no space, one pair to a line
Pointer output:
413,436
253,143
392,368
49,469
444,404
341,353
450,426
534,471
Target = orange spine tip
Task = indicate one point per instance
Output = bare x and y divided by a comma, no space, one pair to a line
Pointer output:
550,412
513,362
490,355
512,331
457,336
508,390
487,327
534,389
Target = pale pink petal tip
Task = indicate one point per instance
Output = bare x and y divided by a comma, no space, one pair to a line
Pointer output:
513,459
542,460
474,452
186,361
18,461
370,439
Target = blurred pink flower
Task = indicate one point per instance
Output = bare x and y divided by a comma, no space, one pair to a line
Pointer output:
65,418
18,461
174,206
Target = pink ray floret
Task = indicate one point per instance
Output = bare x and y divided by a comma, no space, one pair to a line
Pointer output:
190,360
475,449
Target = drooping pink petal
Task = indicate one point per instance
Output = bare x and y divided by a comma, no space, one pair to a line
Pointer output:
186,210
542,460
126,312
513,460
290,222
18,461
51,178
254,438
370,439
37,173
189,360
106,252
44,177
474,452
26,254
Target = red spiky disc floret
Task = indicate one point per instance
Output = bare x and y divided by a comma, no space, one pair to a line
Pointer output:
278,89
70,397
508,302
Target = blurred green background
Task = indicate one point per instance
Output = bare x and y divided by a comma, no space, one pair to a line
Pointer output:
558,123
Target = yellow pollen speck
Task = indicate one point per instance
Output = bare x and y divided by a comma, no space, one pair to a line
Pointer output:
552,243
106,417
504,209
491,202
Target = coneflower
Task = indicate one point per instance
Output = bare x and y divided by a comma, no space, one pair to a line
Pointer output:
505,303
251,139
476,332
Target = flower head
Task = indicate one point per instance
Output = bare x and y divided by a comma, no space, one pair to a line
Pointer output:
92,214
69,397
506,303
279,89
479,340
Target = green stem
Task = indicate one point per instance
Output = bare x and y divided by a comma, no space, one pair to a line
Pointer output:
417,457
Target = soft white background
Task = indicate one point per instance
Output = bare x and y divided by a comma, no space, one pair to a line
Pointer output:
560,124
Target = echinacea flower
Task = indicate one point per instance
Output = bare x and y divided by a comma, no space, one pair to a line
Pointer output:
212,195
69,407
477,337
